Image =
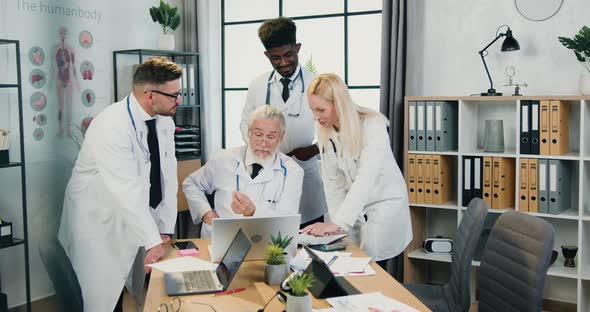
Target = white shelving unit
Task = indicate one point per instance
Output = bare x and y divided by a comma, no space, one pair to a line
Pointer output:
572,226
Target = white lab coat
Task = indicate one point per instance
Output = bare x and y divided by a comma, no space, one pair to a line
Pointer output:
370,185
299,132
281,183
106,215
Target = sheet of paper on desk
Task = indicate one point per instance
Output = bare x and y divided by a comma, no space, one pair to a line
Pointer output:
302,260
183,264
306,239
372,302
341,263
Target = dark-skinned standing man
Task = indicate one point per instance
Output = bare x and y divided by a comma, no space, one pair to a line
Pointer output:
285,87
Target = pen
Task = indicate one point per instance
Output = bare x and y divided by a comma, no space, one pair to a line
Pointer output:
332,261
230,291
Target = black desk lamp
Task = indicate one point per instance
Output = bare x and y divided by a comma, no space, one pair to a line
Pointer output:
509,44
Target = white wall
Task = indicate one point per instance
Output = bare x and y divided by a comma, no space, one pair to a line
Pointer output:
445,36
123,25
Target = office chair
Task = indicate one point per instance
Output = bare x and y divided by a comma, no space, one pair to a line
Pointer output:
514,264
455,294
62,275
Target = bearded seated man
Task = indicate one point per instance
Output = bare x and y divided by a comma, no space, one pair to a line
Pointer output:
252,180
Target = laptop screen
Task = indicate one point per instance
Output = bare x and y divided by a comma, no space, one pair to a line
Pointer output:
235,254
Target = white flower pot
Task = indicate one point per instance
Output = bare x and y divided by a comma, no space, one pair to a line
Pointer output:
299,304
275,274
584,84
166,42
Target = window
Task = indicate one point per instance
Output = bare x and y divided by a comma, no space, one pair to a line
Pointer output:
341,36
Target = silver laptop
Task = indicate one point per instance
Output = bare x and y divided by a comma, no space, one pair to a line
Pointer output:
258,229
210,281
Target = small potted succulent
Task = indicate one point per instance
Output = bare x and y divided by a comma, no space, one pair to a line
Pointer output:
167,16
580,44
299,299
276,267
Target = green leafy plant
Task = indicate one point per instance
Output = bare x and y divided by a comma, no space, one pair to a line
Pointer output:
580,44
281,241
274,255
300,283
166,15
309,65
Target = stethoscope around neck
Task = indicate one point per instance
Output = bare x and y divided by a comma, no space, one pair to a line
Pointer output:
279,190
145,151
299,76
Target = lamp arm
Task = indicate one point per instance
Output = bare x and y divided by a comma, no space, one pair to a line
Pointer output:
489,44
484,60
487,71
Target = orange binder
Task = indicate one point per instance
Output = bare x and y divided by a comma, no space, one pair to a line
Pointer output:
533,176
544,128
559,128
419,179
427,179
487,181
502,182
441,179
523,174
411,178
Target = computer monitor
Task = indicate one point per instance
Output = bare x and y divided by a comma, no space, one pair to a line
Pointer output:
258,229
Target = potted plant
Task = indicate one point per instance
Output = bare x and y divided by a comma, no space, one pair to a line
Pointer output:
276,267
167,16
580,44
284,243
298,299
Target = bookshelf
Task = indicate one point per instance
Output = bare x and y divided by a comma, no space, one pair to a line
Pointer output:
11,117
572,226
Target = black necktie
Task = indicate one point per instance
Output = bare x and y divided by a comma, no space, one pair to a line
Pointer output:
155,184
255,169
285,82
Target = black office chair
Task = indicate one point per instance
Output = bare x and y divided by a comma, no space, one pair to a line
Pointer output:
455,294
514,264
62,275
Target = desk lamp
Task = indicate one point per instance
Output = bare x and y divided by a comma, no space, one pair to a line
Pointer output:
509,44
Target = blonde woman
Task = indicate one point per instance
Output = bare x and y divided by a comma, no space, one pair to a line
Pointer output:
365,190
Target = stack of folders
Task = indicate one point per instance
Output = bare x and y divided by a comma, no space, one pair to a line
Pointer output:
432,126
489,178
429,179
544,185
544,128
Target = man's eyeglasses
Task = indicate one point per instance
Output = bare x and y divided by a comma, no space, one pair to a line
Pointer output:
173,306
175,303
174,96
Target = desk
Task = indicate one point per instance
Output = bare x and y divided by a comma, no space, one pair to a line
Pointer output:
251,277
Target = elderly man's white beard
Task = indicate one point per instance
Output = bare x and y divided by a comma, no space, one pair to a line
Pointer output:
259,159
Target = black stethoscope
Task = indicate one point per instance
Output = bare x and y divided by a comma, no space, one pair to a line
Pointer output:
299,76
145,152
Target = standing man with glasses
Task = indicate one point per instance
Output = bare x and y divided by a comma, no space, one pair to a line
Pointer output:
251,180
121,198
285,88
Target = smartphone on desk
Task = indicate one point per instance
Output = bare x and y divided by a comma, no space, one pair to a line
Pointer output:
329,247
185,245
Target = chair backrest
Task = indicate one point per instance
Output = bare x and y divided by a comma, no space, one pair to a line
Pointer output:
514,264
457,289
62,275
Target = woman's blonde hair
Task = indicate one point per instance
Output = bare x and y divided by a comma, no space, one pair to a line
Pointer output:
350,116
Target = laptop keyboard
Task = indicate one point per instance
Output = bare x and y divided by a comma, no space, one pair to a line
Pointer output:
198,280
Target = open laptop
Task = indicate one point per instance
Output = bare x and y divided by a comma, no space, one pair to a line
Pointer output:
210,281
258,229
325,284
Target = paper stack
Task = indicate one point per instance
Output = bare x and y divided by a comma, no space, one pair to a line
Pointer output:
340,263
